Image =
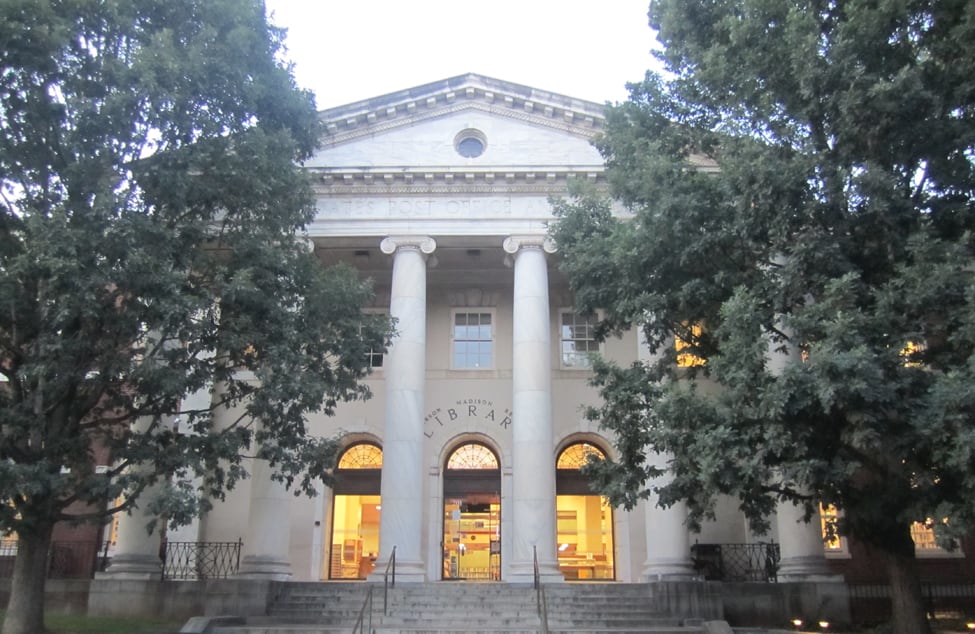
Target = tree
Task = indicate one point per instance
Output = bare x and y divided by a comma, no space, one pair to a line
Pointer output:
801,186
151,224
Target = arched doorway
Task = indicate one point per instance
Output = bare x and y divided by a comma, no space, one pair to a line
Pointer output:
472,514
584,519
355,512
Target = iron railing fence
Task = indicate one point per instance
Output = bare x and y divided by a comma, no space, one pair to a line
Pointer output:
65,559
201,560
870,602
737,562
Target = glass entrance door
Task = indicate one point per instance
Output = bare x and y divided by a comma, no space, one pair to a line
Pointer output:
472,514
472,537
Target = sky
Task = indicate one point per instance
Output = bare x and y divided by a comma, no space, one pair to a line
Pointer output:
348,50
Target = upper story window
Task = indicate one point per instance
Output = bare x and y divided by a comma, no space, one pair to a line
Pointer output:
473,340
685,358
374,356
577,335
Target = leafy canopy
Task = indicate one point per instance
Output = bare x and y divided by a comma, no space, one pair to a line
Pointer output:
151,251
801,187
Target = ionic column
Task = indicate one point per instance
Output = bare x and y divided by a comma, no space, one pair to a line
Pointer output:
405,370
800,544
533,457
268,537
802,557
668,542
136,550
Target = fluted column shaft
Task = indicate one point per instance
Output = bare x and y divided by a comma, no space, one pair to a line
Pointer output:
400,523
533,458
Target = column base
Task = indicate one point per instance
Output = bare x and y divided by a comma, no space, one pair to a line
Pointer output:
133,566
676,569
263,567
406,571
810,568
524,572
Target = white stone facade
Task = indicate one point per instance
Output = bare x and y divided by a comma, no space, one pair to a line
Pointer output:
441,235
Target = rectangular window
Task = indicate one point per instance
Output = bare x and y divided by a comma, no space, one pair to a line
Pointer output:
374,357
687,359
473,341
576,333
828,517
925,544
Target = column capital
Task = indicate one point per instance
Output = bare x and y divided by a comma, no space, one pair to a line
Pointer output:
513,244
424,244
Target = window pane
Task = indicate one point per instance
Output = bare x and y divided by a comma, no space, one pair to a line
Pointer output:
577,341
473,345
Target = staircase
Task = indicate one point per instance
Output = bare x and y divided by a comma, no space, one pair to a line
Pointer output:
461,607
620,608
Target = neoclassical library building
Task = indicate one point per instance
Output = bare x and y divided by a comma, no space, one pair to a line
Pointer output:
466,460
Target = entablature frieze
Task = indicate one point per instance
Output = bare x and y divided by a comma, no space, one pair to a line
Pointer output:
445,181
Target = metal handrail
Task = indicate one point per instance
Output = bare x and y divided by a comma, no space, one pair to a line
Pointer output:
537,577
366,609
389,580
539,592
387,584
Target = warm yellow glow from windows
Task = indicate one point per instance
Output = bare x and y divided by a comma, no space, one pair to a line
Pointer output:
827,518
472,456
362,456
576,456
909,352
585,537
923,535
355,536
687,359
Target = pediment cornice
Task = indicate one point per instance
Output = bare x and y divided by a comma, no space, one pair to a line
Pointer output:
463,93
481,180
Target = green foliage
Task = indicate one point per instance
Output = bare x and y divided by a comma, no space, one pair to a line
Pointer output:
801,187
151,247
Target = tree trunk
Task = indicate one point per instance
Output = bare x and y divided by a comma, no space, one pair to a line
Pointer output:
908,614
25,611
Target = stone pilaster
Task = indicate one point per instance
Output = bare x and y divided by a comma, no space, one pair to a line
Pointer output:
533,457
400,524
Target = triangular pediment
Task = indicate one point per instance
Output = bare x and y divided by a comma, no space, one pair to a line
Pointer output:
421,128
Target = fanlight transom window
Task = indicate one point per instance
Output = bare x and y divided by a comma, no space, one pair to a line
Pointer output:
576,456
362,456
472,456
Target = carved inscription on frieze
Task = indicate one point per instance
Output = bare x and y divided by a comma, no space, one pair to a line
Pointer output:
469,410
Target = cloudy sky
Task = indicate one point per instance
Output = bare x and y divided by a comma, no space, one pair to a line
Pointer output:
347,50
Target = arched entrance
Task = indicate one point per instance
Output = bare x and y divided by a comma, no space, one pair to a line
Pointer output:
355,512
472,514
585,519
